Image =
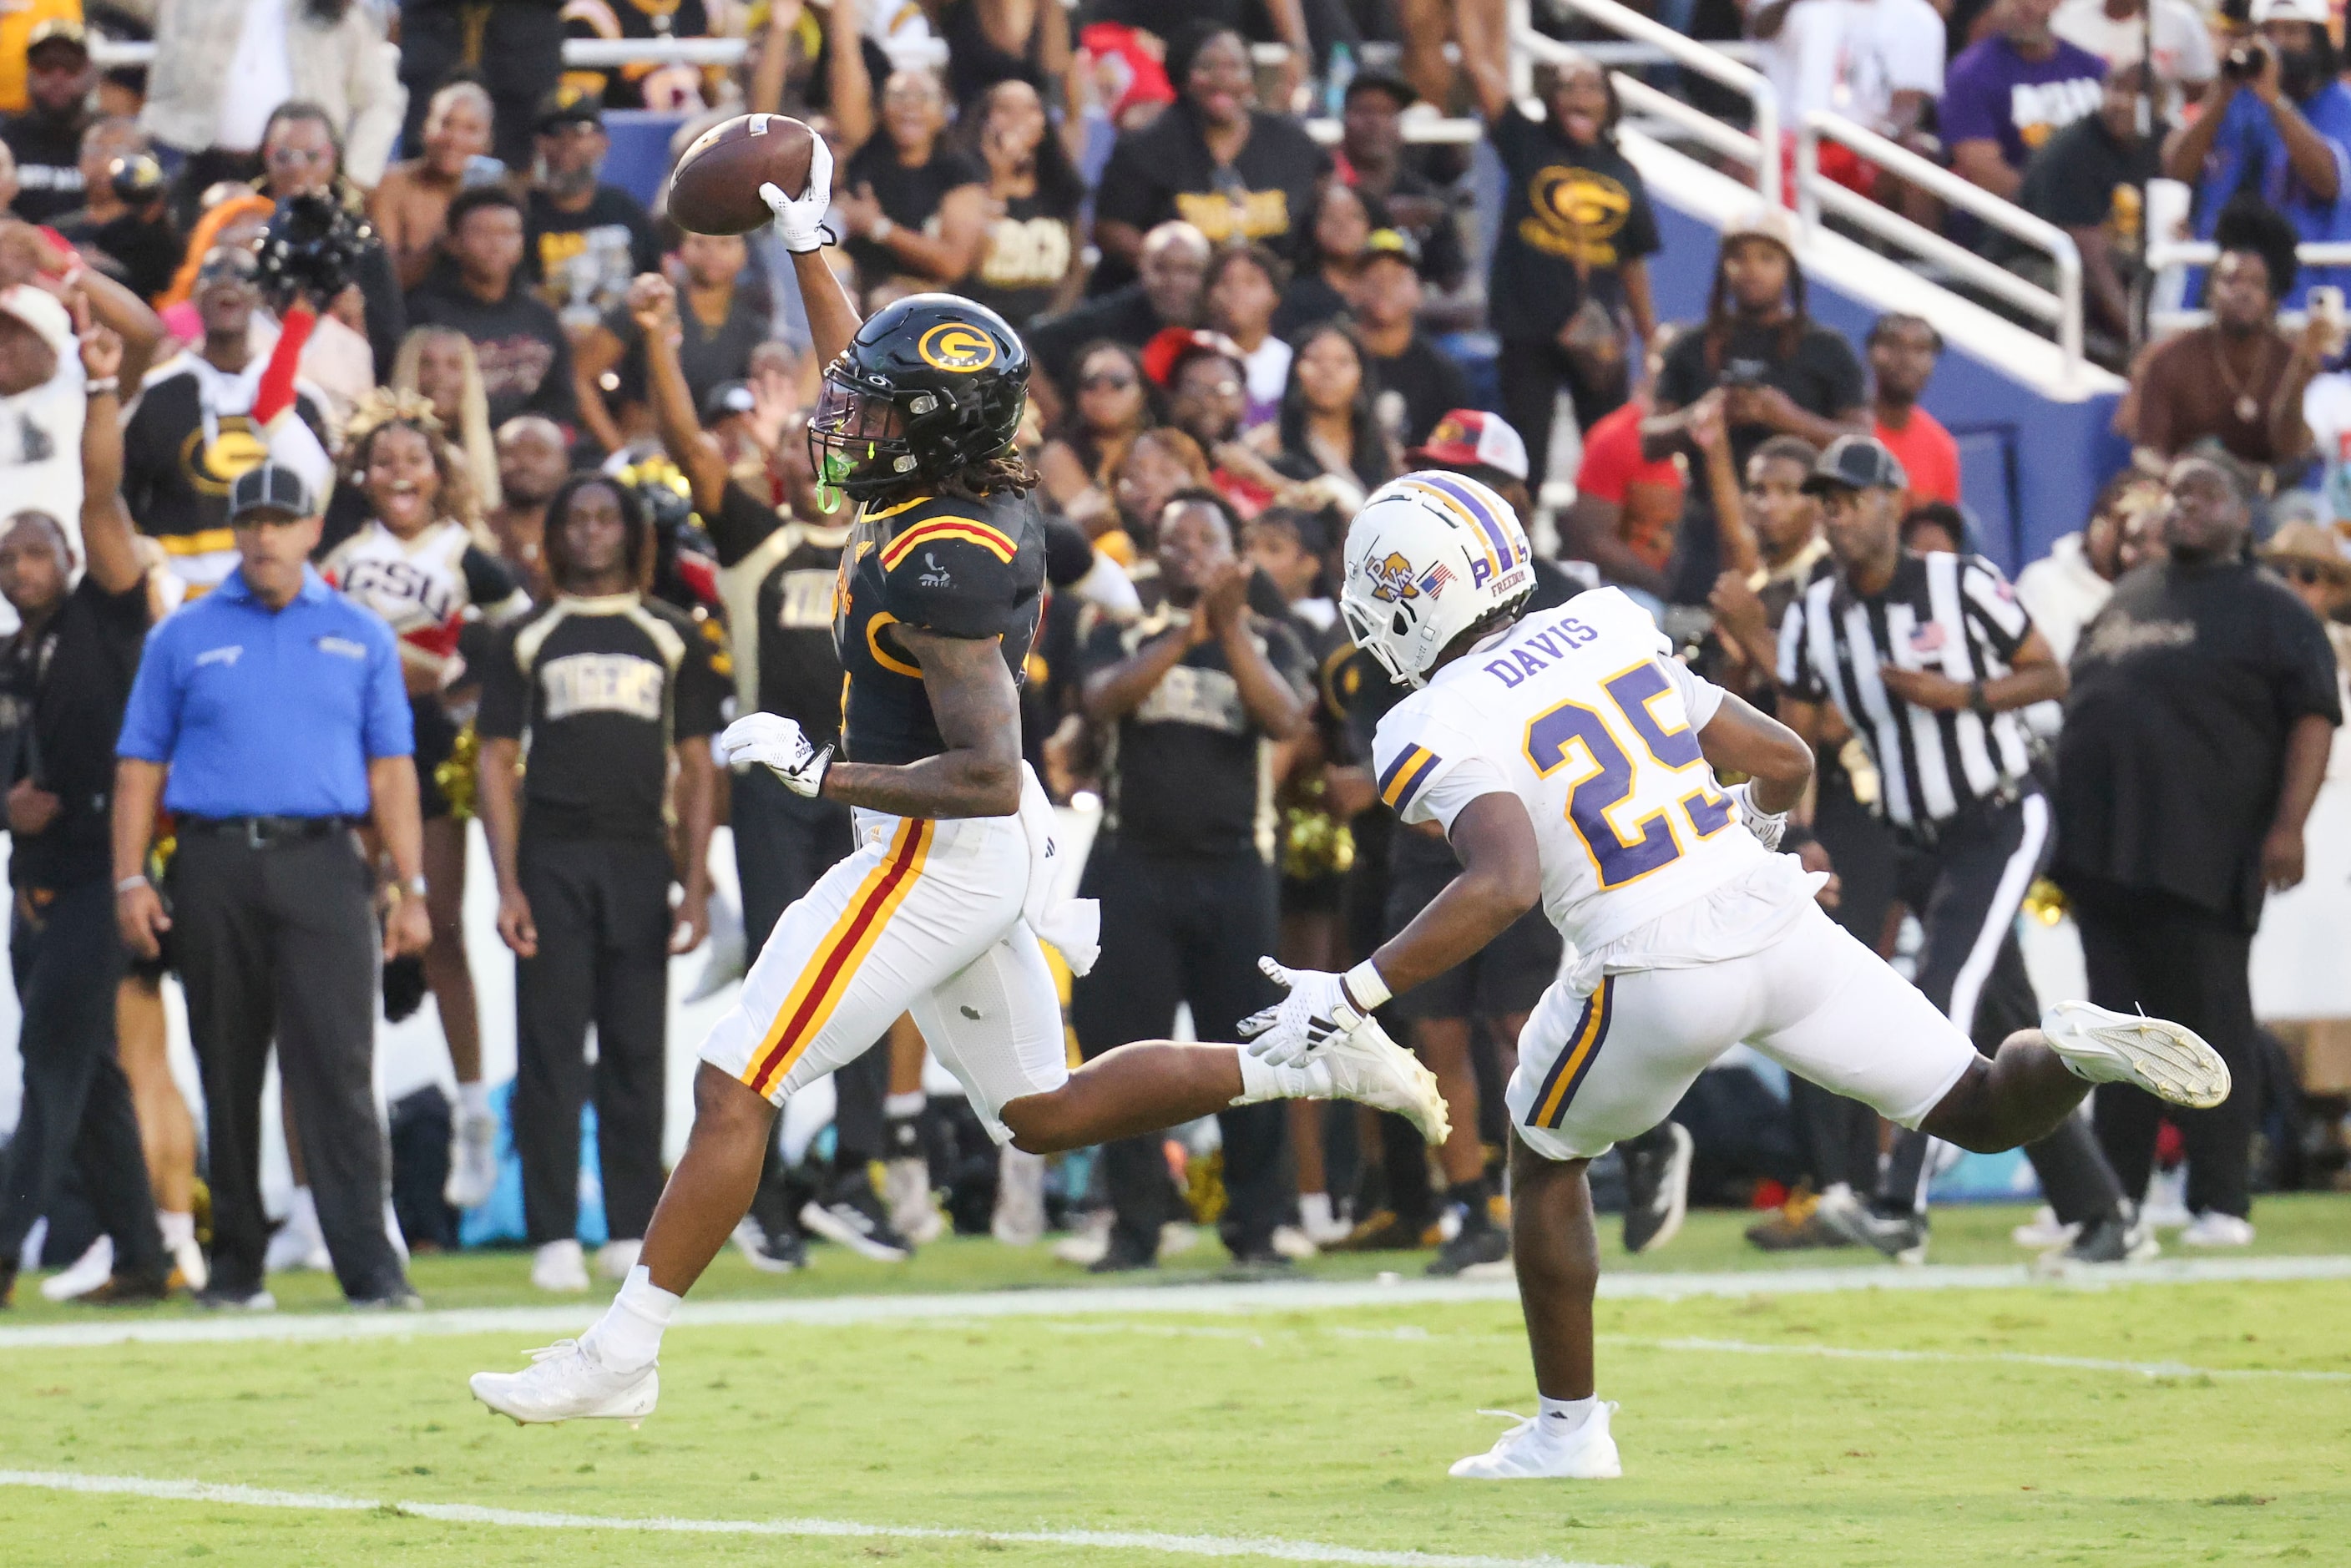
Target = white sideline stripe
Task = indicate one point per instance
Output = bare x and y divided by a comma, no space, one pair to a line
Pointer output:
1274,1547
1316,1295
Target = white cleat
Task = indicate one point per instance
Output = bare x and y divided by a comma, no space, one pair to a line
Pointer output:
2167,1060
559,1266
565,1381
1369,1068
1527,1453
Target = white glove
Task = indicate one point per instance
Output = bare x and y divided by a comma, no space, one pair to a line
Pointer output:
779,745
1293,1028
800,221
1767,826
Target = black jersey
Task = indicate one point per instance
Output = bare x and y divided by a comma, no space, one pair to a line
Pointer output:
961,569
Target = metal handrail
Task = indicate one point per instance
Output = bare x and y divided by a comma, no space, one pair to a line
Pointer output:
1640,99
2063,308
1690,54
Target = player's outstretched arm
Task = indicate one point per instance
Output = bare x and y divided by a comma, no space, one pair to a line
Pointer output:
1501,878
979,713
1741,739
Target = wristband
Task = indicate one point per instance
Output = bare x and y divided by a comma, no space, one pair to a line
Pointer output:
128,883
104,386
1364,987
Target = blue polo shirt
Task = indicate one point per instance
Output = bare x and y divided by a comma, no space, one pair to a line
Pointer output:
268,713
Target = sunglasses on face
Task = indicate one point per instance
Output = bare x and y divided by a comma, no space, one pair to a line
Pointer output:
298,157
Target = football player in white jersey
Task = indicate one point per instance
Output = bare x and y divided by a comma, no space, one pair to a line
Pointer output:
1569,758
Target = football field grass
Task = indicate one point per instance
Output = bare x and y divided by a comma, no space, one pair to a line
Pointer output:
2139,1424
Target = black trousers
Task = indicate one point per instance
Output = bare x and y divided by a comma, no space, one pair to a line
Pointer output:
783,842
2186,964
1532,372
67,960
1966,886
601,908
1183,932
280,942
515,46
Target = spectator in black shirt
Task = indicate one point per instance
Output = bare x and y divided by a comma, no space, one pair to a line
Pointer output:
2090,180
909,205
1034,194
1781,373
533,459
1571,269
720,323
525,356
301,153
1339,228
1214,158
124,224
47,138
584,240
1330,424
1191,700
2197,731
612,688
1372,158
1081,454
1167,294
1416,383
515,47
66,676
985,49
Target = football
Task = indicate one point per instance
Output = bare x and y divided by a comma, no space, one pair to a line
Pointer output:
715,189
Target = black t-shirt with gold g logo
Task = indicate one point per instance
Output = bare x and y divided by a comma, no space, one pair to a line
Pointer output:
1564,197
1165,171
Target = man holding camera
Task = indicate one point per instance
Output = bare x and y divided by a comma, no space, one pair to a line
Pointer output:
2277,122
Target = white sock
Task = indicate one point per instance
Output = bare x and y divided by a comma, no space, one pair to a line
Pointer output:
179,1228
1314,1211
629,1335
1263,1081
474,1099
1560,1416
1837,1192
909,1104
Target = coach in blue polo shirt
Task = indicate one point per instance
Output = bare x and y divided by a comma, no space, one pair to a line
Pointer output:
269,718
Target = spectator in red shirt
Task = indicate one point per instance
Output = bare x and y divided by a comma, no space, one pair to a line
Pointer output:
1903,351
1627,508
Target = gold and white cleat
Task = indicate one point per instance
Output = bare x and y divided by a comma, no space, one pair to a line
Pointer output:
2168,1061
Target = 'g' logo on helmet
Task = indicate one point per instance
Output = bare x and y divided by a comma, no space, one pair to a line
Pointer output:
957,346
1392,578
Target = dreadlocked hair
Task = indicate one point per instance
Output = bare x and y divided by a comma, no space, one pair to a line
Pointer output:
385,409
1720,311
1007,470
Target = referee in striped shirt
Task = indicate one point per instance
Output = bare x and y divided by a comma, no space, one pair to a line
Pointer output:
1927,658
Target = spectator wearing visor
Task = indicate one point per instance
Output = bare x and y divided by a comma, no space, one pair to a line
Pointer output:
1927,659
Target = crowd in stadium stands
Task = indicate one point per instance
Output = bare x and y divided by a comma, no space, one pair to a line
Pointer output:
531,426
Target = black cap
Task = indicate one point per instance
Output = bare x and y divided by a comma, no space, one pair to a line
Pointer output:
1855,463
569,104
268,488
727,399
1376,78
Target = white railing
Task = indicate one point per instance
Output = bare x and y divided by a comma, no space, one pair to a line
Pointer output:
2061,310
1760,146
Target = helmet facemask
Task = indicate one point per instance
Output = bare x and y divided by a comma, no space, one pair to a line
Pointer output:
857,440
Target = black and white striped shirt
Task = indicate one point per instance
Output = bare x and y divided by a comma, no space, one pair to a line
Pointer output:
1955,615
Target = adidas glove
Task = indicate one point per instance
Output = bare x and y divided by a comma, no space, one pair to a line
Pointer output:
1767,826
800,221
780,746
1320,1004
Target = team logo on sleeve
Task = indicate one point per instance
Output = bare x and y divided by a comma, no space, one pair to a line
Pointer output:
957,346
1392,580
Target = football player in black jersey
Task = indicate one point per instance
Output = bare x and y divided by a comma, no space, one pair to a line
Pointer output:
939,909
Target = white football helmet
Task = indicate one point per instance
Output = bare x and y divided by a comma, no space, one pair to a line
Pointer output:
1429,556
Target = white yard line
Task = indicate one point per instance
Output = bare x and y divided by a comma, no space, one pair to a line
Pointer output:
1244,1299
1274,1547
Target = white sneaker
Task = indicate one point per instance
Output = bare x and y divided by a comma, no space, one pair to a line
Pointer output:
1369,1068
2043,1232
2213,1229
615,1259
473,1161
2167,1060
189,1259
2165,1207
1087,1242
83,1275
559,1266
299,1243
1316,1218
564,1383
1019,1219
1526,1452
1290,1242
1177,1236
906,1189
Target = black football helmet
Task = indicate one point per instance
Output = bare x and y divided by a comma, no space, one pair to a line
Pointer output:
929,385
